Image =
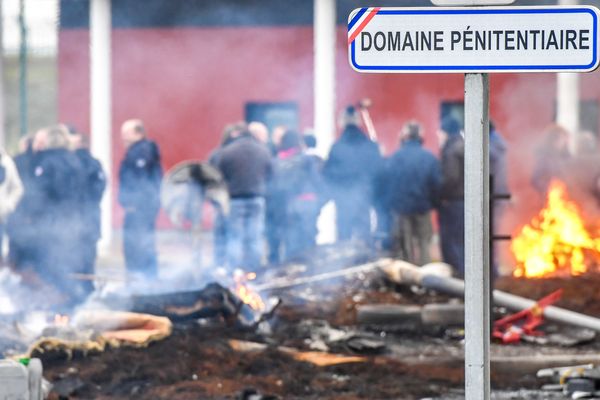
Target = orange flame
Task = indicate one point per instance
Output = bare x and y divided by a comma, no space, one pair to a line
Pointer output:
245,293
555,242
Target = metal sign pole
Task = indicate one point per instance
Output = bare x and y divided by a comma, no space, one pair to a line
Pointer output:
477,270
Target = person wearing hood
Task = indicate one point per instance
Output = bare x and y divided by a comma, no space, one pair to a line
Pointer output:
452,198
413,180
350,170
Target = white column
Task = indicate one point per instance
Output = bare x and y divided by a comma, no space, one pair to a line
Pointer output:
100,112
324,84
567,99
324,100
477,239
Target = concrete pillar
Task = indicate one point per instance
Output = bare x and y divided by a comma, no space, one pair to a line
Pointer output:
100,112
324,83
567,99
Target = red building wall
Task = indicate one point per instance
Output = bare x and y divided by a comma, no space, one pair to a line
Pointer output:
187,83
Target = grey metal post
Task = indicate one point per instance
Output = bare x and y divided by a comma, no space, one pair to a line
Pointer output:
2,91
23,112
477,270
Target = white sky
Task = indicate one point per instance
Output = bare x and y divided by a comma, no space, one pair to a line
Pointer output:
42,23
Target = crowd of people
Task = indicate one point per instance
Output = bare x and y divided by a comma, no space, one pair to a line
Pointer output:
50,206
277,186
52,216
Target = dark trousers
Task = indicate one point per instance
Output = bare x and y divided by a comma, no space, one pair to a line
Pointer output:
139,243
275,222
245,229
23,241
301,227
87,263
412,237
220,238
59,252
353,216
452,234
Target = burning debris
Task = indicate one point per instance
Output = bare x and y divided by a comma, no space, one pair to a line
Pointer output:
245,292
557,241
212,302
318,337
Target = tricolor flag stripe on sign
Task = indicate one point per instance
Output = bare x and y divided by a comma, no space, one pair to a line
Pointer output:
360,21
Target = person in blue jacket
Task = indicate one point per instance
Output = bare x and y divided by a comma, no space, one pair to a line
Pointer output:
349,172
54,209
140,175
414,180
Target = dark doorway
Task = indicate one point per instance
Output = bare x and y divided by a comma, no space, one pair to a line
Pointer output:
273,114
454,109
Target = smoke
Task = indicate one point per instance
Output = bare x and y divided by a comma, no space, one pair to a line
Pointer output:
187,71
10,285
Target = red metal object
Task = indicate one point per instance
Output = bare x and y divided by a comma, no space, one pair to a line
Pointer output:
511,328
363,107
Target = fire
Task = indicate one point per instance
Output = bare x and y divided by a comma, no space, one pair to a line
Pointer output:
245,293
555,242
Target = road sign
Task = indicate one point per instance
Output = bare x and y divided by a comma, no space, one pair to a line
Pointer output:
445,3
474,39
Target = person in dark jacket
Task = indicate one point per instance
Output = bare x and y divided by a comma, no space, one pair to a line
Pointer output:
414,180
54,206
140,176
498,186
246,166
452,199
350,171
94,184
297,182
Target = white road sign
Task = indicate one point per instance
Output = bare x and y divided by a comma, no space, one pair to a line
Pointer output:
489,39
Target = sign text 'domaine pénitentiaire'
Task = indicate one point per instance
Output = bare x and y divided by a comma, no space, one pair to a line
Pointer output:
509,39
535,39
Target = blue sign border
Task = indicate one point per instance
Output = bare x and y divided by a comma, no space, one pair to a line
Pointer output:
483,11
